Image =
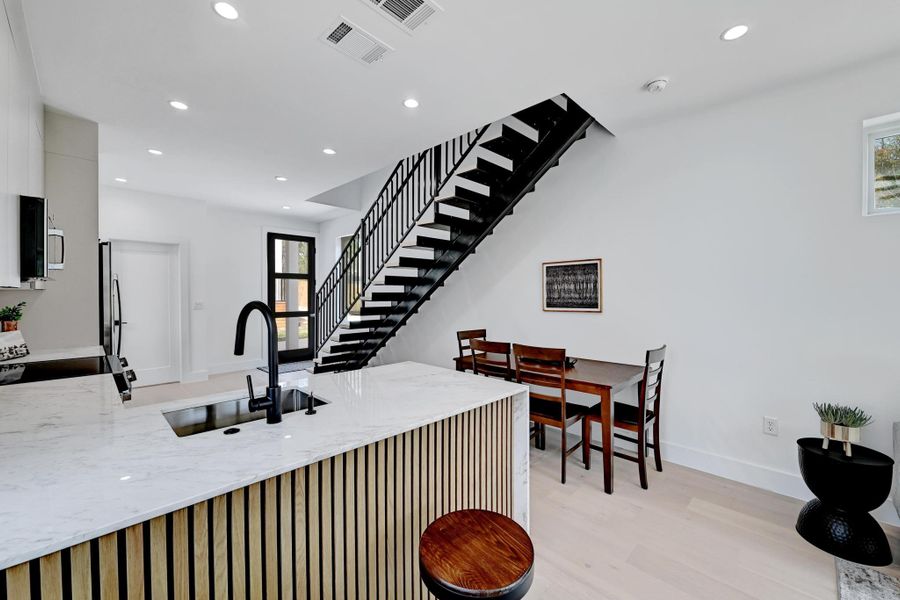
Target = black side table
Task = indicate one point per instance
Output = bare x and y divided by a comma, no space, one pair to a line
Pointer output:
846,489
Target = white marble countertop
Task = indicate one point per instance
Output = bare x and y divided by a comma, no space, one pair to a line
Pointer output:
60,354
75,463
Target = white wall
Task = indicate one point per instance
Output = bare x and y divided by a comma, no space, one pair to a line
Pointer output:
328,248
66,314
227,269
735,236
357,196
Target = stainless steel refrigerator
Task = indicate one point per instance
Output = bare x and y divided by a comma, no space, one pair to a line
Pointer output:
111,319
110,303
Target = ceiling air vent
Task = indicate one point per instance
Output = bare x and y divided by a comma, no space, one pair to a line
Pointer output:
356,43
409,15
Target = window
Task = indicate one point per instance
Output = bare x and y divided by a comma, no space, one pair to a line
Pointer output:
882,165
291,266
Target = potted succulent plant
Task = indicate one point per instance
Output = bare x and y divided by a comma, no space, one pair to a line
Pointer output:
841,423
10,316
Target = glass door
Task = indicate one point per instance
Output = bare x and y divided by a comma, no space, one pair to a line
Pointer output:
292,288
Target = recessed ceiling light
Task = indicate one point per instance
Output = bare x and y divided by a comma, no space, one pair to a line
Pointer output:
124,477
411,103
225,10
329,151
734,33
121,180
286,207
154,151
281,178
178,105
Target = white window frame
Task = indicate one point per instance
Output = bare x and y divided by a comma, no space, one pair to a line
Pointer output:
873,129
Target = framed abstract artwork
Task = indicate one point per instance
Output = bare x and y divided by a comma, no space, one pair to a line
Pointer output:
573,286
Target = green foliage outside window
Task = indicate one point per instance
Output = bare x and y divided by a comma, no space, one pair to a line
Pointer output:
887,172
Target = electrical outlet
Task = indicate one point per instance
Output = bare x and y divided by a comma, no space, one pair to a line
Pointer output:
770,425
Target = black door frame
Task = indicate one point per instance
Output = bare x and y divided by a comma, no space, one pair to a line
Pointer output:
271,276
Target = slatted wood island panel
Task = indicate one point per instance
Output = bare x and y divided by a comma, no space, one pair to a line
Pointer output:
343,528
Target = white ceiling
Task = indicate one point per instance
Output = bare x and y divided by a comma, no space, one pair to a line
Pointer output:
266,96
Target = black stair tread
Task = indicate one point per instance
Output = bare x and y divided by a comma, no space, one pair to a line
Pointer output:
459,202
348,347
337,358
487,173
514,144
543,116
364,324
492,167
468,194
488,178
328,368
387,296
374,310
352,336
447,222
463,198
403,280
417,263
511,144
423,241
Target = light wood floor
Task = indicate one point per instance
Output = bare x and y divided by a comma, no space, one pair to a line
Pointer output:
690,536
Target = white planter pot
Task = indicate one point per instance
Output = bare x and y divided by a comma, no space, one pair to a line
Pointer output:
846,435
897,467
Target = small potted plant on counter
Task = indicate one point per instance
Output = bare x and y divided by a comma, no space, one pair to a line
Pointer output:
841,423
10,316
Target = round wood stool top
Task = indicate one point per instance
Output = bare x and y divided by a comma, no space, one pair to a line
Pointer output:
476,554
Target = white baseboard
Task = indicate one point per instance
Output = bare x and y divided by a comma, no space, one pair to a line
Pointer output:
767,478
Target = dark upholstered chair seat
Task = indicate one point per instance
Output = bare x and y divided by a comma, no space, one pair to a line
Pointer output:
553,410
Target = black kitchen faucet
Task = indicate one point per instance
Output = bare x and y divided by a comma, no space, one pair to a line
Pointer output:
272,401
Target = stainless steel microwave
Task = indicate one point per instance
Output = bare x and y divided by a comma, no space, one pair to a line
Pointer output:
41,248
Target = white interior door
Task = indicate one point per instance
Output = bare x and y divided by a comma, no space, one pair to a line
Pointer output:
148,276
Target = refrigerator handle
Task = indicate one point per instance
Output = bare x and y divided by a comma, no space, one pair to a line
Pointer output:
118,321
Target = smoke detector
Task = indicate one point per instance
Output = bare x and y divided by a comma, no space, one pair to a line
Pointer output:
657,85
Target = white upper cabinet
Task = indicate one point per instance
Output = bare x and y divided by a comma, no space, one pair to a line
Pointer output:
9,208
21,135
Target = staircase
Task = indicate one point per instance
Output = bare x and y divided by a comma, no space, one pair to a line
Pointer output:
433,211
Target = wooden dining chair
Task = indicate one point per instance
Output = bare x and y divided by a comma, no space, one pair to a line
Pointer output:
546,368
463,340
491,359
636,419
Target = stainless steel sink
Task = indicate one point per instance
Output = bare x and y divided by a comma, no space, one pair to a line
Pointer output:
229,413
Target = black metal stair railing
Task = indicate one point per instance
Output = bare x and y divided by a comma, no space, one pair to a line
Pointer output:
411,188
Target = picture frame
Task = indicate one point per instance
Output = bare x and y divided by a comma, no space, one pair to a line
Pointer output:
572,286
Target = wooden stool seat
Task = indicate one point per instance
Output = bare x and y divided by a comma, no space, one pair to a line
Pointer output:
476,554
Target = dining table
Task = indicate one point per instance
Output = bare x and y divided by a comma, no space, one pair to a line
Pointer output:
599,378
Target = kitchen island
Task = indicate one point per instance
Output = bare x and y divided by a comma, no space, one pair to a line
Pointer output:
96,495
